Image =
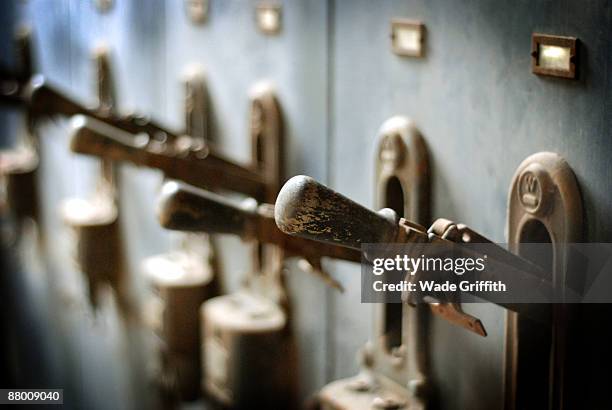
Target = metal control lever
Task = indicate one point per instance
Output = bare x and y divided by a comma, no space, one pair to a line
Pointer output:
311,210
179,159
158,147
43,99
186,208
308,209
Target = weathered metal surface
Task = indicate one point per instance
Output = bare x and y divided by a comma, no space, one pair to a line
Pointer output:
161,149
197,106
364,392
544,205
183,280
571,43
483,112
185,208
400,340
266,134
501,263
180,158
245,337
309,209
473,96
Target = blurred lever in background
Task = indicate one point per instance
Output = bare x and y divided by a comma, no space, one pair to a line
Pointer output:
183,158
179,156
43,99
185,208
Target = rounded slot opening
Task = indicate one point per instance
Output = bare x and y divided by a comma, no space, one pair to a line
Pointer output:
259,150
535,340
394,199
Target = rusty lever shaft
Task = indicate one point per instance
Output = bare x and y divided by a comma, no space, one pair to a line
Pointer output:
42,99
186,208
192,163
162,148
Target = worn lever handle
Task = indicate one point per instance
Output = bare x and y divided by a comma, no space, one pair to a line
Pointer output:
311,210
194,164
186,208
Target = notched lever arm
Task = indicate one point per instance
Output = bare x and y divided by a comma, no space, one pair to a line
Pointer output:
194,164
143,141
43,99
308,209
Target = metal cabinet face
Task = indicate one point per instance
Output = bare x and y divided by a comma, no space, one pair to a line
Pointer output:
472,95
482,111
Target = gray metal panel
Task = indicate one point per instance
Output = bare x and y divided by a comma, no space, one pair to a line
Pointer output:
482,112
473,97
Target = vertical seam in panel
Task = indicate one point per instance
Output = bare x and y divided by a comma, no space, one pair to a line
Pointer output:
330,83
163,55
70,44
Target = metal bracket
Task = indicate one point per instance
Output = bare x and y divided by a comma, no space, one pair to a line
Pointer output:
266,131
267,157
394,362
99,249
402,180
106,107
544,205
453,312
196,107
184,279
246,333
303,209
